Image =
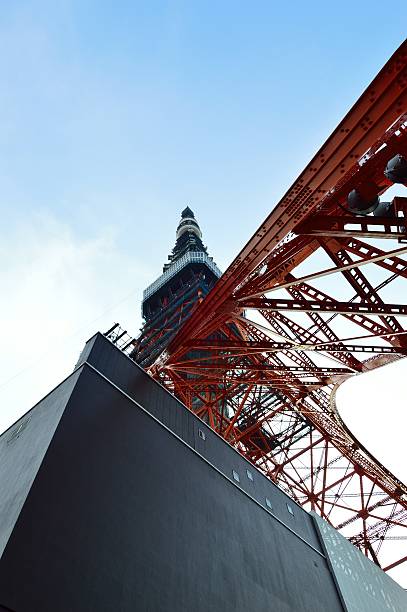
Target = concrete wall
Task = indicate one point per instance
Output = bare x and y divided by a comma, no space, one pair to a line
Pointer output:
125,514
22,449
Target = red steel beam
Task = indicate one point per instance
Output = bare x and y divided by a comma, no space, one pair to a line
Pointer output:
317,306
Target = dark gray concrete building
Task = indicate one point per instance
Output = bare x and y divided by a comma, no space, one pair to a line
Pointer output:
115,497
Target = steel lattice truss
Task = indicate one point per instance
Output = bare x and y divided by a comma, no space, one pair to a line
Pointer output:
314,298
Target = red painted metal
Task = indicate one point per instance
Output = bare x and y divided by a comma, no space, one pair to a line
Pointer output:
266,378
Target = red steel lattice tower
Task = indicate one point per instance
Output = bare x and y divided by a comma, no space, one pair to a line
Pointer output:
315,297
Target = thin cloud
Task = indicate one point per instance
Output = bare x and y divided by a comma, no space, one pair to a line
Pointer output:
57,290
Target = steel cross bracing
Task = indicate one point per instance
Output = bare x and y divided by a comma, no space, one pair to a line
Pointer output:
317,295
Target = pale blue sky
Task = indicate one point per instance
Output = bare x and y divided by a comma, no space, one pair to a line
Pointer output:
120,113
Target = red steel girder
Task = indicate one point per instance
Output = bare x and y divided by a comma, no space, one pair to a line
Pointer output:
359,319
251,346
391,261
361,285
308,338
366,256
225,365
317,306
362,226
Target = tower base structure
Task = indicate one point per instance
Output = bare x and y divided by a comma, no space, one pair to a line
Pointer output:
115,497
